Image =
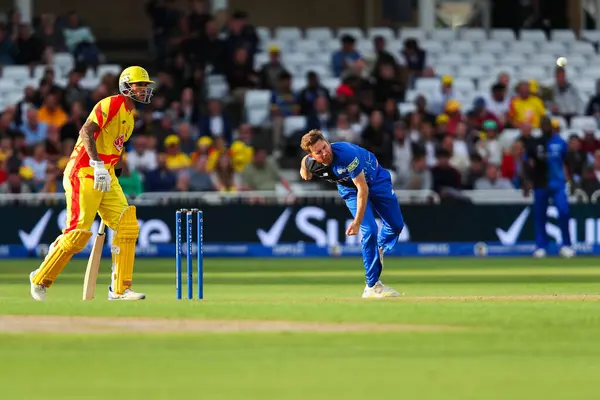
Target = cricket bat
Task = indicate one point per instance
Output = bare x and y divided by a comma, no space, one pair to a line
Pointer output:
91,273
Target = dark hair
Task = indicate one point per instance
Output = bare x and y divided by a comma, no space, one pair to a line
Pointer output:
476,158
348,39
284,75
442,153
498,87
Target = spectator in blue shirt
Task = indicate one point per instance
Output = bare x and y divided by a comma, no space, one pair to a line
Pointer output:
283,104
343,58
35,131
283,100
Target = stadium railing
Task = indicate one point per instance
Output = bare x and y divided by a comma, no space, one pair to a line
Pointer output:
314,197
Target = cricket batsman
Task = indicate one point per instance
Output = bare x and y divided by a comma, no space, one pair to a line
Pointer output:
366,188
91,186
544,162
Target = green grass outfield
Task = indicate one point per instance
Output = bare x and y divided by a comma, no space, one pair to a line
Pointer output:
499,329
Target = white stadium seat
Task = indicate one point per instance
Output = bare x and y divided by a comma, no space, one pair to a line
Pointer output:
505,35
563,35
593,35
483,59
387,33
442,69
523,47
114,69
428,84
513,60
320,34
331,83
365,47
89,83
464,85
543,59
218,90
15,72
298,83
258,103
293,124
502,68
443,34
308,46
14,97
492,46
288,34
264,34
322,59
9,85
534,72
555,48
295,59
462,46
592,71
415,33
582,122
452,59
434,46
578,60
582,48
585,84
406,108
473,34
260,59
64,60
533,35
256,117
471,72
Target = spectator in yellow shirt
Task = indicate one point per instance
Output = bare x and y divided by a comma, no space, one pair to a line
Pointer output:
176,160
52,113
525,108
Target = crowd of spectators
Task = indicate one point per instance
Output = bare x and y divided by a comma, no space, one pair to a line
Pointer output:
190,140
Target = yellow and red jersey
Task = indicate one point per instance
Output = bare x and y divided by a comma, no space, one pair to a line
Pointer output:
115,121
528,110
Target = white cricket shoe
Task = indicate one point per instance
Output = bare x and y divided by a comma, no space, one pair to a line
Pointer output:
128,294
539,253
566,252
379,290
38,292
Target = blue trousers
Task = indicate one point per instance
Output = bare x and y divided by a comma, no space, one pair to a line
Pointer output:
383,201
540,209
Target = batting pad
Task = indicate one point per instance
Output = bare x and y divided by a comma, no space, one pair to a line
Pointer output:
123,250
68,244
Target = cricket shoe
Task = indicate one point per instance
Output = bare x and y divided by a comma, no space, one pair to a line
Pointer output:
539,253
378,291
38,292
128,294
566,252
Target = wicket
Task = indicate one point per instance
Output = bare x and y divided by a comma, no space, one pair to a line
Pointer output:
189,219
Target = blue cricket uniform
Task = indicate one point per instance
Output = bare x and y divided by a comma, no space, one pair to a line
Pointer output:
544,160
349,160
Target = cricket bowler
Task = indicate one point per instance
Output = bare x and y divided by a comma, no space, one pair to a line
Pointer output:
366,188
91,186
544,165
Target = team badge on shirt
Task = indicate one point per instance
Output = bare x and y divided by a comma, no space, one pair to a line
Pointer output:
119,141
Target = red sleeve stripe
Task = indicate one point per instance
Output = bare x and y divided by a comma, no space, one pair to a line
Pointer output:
99,116
114,107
